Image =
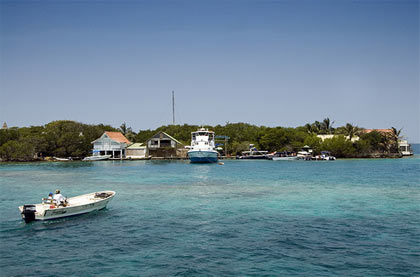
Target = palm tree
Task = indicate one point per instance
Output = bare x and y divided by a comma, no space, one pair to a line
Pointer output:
395,137
327,125
316,127
351,130
123,128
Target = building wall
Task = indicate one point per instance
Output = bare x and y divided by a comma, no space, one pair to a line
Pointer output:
136,152
107,144
163,152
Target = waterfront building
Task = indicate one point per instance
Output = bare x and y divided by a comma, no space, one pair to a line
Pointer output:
137,151
162,145
111,143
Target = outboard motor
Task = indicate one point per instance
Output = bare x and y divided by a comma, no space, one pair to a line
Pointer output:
29,213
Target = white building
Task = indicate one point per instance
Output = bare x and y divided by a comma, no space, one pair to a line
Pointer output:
324,137
111,143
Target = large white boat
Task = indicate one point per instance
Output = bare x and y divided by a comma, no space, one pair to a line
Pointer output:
405,148
75,206
97,158
202,148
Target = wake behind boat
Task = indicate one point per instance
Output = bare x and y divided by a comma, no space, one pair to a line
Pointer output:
75,206
202,147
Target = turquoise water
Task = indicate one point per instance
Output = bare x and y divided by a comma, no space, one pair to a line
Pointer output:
243,218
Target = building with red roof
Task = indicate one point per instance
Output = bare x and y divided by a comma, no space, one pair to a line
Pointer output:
111,143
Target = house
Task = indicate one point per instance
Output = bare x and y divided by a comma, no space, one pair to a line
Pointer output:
111,143
137,151
163,145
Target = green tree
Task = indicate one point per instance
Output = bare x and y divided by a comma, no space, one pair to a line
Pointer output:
14,150
339,147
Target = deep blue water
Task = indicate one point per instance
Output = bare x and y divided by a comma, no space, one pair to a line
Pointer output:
243,218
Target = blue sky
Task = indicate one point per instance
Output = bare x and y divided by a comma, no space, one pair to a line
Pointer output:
273,63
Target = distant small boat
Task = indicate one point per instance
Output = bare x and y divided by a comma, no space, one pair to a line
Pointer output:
75,206
62,159
305,153
254,154
284,156
325,156
97,158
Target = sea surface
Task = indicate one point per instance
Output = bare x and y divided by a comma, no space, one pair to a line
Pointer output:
354,217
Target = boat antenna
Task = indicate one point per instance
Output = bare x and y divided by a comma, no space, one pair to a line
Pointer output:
173,107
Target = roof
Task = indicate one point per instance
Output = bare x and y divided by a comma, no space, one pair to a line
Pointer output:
136,145
386,131
172,138
117,136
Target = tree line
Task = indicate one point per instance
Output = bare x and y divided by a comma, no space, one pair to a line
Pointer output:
66,138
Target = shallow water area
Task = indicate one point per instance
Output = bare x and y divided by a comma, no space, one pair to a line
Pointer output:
243,218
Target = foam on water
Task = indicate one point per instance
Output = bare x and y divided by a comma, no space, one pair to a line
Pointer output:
245,218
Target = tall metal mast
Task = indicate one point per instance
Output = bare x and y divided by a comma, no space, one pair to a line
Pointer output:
173,107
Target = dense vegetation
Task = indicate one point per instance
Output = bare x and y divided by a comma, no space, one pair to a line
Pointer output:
59,138
72,139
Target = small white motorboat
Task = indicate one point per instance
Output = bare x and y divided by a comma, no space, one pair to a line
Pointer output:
97,158
286,158
77,205
62,159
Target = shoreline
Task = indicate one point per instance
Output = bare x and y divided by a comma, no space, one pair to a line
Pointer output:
373,157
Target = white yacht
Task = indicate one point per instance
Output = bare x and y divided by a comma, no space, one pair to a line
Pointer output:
202,148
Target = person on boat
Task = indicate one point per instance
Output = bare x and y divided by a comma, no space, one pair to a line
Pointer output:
59,199
50,198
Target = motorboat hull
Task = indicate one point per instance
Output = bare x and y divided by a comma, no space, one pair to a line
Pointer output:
76,206
254,157
292,158
203,156
97,158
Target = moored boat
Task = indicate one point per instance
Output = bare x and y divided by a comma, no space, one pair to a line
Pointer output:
325,156
284,156
202,148
75,206
405,148
254,154
62,159
97,158
305,154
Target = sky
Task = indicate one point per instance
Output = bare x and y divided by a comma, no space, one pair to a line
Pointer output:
272,63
